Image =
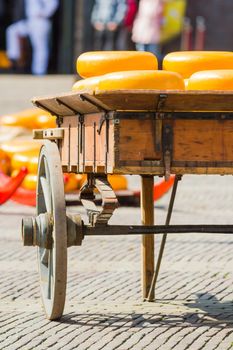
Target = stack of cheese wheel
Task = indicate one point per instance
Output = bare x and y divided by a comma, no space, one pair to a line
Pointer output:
25,153
123,70
202,70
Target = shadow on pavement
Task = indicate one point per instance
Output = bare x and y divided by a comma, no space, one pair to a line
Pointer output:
209,311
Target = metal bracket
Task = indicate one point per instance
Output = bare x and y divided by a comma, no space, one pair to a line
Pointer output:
109,200
48,134
167,149
159,116
103,119
161,102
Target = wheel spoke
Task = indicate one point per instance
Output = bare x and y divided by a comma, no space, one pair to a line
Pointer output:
45,257
47,193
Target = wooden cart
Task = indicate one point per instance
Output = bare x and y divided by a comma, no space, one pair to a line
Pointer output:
121,132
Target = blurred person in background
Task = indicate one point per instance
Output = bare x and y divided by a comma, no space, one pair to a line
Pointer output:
146,32
34,21
2,21
125,35
107,19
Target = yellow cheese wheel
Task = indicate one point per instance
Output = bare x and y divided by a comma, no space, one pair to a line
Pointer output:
96,63
4,61
88,84
72,183
81,179
33,118
158,80
18,146
211,80
188,62
30,182
4,162
186,81
118,182
29,159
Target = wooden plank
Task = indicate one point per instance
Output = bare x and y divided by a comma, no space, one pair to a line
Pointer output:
68,104
147,246
136,100
137,140
147,100
203,140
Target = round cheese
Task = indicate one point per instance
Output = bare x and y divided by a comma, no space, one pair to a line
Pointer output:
211,80
18,146
29,159
186,81
141,80
118,182
187,63
88,84
4,162
30,182
97,63
30,118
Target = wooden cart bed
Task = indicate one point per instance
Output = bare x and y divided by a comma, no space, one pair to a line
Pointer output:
136,100
145,132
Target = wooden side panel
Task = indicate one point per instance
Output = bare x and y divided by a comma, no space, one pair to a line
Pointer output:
137,140
148,100
98,150
86,147
134,145
69,147
203,141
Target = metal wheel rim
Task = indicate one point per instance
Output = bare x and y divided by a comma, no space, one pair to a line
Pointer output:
52,262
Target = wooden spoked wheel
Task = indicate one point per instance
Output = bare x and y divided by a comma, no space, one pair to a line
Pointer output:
51,200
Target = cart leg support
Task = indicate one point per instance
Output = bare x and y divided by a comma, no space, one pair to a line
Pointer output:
147,246
163,242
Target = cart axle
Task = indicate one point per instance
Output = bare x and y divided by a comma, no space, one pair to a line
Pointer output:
38,231
111,230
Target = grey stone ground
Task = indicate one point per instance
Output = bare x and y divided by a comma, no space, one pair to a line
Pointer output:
194,308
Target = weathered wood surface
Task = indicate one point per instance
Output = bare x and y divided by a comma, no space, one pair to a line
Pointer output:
134,146
147,246
135,100
203,141
68,104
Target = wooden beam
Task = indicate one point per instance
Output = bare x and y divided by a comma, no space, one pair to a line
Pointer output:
147,246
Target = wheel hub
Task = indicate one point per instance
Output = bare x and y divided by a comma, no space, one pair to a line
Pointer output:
38,231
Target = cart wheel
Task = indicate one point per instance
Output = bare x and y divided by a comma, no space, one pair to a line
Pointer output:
51,200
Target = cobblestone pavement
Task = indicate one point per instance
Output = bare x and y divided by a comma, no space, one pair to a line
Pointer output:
104,310
194,308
